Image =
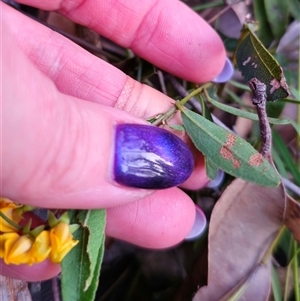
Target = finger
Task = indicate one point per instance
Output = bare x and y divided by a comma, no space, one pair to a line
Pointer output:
56,149
122,92
61,154
158,221
183,44
38,272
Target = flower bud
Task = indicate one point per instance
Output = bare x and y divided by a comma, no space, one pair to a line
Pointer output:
17,251
12,237
8,208
40,248
61,241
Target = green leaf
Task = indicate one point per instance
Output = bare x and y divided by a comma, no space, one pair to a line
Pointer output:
286,157
294,8
176,127
255,61
81,267
279,164
277,12
275,285
211,169
205,111
245,114
264,33
228,151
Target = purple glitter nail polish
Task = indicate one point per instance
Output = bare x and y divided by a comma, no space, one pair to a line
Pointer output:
150,157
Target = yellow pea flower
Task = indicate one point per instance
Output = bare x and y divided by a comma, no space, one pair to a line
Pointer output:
17,251
8,209
4,202
12,237
41,248
62,242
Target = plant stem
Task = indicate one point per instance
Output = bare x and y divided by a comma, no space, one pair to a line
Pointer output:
193,102
8,220
169,114
164,117
194,93
259,100
265,130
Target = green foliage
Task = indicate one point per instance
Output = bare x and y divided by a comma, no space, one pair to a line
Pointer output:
294,10
255,61
285,156
228,151
277,12
210,167
245,114
81,267
265,32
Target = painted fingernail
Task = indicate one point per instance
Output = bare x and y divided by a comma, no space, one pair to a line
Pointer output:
150,157
226,73
199,225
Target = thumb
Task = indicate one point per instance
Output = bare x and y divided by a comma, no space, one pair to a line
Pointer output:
60,152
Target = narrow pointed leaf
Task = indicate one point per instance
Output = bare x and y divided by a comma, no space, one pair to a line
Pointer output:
277,12
210,168
228,151
176,127
81,267
255,61
265,32
245,114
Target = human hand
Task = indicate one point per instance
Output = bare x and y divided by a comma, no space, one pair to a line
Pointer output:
61,105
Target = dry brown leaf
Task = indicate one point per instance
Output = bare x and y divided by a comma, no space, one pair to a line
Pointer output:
12,289
244,222
256,284
292,217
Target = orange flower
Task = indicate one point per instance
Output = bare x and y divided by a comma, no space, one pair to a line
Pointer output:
17,249
41,248
8,208
62,242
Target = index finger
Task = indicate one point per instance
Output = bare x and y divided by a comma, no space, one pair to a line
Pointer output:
166,33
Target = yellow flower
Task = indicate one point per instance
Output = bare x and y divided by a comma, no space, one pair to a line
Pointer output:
4,202
17,251
12,237
41,248
8,209
61,242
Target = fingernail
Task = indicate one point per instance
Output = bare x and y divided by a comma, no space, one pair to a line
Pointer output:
199,225
216,183
150,157
226,73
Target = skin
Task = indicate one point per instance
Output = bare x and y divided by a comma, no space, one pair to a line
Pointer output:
60,105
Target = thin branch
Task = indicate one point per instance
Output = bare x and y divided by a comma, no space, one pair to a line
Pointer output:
9,221
291,186
259,100
193,101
